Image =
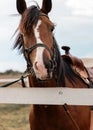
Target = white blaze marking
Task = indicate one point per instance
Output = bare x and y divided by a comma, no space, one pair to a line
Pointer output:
37,35
39,53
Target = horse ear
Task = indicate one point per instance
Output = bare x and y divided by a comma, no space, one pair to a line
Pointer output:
21,6
46,6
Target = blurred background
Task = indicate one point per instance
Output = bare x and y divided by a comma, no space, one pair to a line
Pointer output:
74,27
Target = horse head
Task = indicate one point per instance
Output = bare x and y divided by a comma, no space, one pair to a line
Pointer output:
36,38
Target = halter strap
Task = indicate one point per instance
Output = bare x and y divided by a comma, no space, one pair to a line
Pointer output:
30,50
43,14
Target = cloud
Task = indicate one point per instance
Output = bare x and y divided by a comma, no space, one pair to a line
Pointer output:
81,7
7,7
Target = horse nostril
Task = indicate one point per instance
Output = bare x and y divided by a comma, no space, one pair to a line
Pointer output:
38,66
49,65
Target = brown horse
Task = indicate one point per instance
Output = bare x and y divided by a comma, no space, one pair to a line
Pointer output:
49,69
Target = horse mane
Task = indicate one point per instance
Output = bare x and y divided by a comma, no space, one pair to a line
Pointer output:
63,69
58,73
19,42
68,71
29,18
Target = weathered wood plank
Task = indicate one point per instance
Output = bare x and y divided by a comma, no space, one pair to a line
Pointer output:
54,96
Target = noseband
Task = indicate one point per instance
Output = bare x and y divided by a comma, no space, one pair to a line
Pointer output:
28,51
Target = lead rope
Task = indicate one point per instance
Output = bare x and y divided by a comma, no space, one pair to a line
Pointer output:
65,106
23,82
13,82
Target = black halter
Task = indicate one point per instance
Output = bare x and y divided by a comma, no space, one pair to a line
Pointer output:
28,51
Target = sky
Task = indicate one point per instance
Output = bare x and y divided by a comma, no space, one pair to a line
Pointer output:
74,27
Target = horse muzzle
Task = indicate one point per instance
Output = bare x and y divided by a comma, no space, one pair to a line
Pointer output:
41,72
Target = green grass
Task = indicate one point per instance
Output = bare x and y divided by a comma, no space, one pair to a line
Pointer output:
14,117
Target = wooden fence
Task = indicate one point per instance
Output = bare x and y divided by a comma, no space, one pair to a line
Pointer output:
54,96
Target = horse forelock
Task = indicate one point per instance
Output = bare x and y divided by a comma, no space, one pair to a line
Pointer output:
29,18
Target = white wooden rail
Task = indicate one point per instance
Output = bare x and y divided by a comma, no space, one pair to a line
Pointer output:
54,96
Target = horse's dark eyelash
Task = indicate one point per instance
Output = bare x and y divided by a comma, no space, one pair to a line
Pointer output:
52,28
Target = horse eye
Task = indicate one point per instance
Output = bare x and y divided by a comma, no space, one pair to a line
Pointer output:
52,28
